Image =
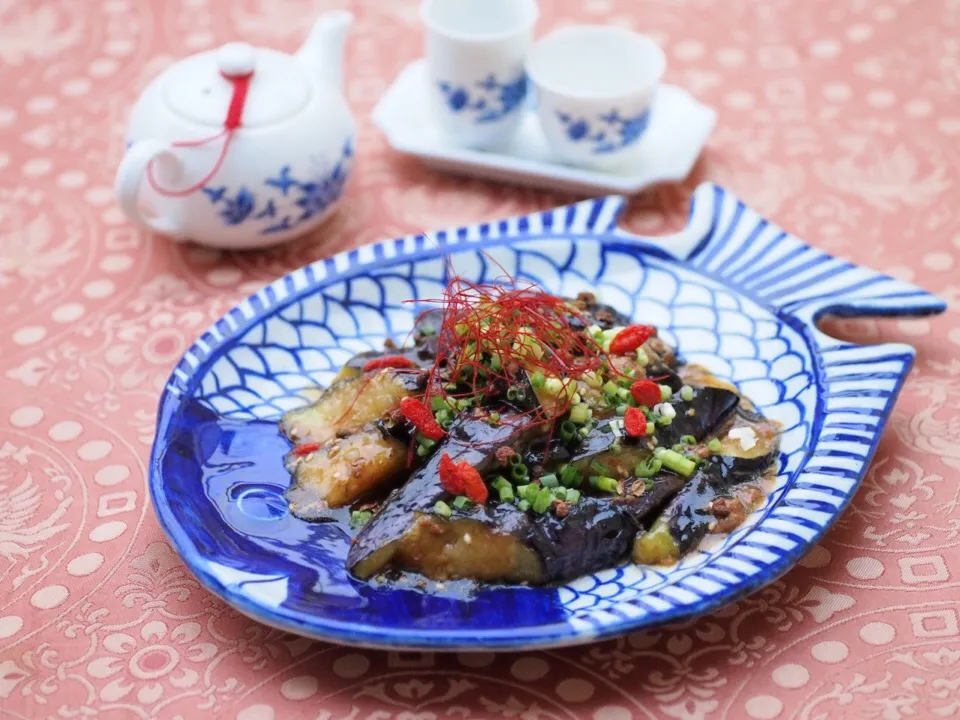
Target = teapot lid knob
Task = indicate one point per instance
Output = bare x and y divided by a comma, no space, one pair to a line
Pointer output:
236,59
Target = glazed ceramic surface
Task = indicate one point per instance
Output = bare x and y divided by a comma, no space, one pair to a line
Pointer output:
475,51
278,175
666,148
591,116
732,291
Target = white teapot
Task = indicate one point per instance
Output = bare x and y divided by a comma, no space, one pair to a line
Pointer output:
241,147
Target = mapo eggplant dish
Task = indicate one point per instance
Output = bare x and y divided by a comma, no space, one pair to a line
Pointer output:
518,437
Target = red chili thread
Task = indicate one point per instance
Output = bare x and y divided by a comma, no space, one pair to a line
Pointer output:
389,361
305,449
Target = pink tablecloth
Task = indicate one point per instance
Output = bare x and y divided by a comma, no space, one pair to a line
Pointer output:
840,119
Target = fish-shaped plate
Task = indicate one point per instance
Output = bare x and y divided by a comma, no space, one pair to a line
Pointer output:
732,291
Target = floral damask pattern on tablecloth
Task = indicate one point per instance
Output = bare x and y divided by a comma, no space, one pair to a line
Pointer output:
840,120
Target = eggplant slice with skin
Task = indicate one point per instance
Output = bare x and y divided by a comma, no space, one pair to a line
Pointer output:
717,498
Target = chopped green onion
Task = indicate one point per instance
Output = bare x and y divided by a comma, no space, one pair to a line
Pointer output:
495,363
623,394
673,460
599,468
570,476
664,420
560,493
444,416
642,358
461,502
522,489
500,482
506,493
461,329
516,459
603,483
610,388
523,505
715,445
576,399
543,501
549,480
686,393
651,429
567,431
592,379
464,403
425,441
493,418
572,496
688,440
537,380
580,414
584,431
422,451
442,509
428,331
438,403
553,386
665,392
622,409
648,467
531,492
648,483
359,518
679,448
519,472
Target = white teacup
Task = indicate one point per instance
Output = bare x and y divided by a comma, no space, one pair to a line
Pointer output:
595,85
475,55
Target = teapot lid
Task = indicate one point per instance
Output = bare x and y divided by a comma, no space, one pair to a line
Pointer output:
197,87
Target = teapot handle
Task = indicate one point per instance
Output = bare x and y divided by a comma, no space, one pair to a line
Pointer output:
129,178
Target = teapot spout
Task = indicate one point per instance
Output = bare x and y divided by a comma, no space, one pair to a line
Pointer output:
323,50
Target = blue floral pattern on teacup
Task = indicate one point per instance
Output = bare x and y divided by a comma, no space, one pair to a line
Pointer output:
490,98
310,197
608,133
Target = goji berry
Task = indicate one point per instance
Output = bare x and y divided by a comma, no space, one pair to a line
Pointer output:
630,338
305,449
450,475
389,361
473,485
462,479
421,417
635,422
646,392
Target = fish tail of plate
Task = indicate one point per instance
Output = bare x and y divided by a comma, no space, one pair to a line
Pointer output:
730,241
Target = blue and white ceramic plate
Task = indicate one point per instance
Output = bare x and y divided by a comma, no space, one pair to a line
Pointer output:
733,291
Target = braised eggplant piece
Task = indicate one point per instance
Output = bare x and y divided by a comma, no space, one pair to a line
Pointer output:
343,471
717,498
696,418
348,405
470,439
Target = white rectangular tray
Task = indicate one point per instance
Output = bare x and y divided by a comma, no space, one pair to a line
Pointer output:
679,128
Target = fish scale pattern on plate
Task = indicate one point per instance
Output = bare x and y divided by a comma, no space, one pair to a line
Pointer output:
732,291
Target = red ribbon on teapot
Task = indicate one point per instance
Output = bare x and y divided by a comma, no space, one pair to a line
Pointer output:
234,119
